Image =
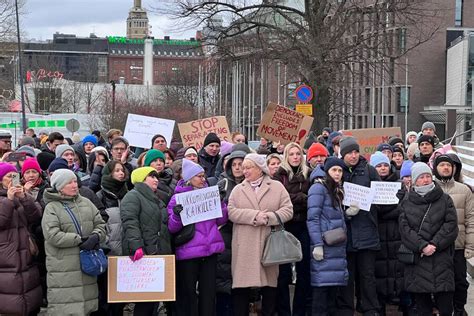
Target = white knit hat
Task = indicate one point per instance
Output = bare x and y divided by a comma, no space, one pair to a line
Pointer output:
260,161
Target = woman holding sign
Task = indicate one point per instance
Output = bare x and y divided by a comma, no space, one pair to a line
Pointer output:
196,257
253,206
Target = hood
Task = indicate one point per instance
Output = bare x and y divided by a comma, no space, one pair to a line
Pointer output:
318,172
51,195
232,156
82,156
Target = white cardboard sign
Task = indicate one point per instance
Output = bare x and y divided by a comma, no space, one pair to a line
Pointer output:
358,195
385,193
200,205
139,129
144,275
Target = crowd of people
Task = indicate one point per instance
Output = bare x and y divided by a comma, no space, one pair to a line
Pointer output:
124,199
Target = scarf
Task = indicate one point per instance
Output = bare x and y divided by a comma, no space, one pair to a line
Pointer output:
424,189
256,184
119,188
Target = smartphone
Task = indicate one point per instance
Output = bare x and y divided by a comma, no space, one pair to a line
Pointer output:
15,157
16,180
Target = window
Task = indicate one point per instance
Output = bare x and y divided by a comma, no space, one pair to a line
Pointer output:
47,100
458,13
403,99
402,40
367,100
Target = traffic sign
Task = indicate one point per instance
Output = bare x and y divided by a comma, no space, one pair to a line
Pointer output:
73,125
304,93
306,109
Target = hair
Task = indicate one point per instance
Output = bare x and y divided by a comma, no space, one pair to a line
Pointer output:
30,130
336,140
334,190
170,153
113,132
117,141
140,159
303,168
158,136
55,136
274,155
238,133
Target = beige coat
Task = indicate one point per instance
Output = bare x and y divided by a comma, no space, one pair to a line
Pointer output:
248,240
462,198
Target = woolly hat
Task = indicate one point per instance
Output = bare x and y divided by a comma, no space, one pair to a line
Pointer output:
140,174
394,140
442,158
89,139
418,169
384,146
61,149
152,155
347,145
397,149
428,125
76,138
45,159
155,137
27,140
378,158
332,162
6,168
405,170
260,161
101,150
61,178
226,148
412,133
30,163
27,150
190,169
316,149
211,138
58,163
241,147
426,138
190,150
327,129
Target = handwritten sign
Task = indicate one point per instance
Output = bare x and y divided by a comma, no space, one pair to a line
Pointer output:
357,195
139,129
193,133
385,193
281,124
199,205
144,275
369,138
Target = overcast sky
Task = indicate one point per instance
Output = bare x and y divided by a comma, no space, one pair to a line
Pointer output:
42,18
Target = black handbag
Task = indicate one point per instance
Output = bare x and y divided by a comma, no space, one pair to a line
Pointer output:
334,236
184,235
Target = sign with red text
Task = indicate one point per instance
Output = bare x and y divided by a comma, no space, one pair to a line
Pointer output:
193,133
280,124
369,138
144,275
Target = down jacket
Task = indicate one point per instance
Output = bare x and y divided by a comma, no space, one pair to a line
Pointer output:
207,239
20,289
70,291
435,273
323,216
114,223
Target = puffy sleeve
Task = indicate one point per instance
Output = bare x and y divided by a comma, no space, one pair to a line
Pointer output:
315,208
448,232
129,214
52,229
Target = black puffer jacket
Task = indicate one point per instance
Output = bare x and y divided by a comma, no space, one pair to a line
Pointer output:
435,273
166,185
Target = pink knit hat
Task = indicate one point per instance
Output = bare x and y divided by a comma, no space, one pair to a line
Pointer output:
30,163
6,168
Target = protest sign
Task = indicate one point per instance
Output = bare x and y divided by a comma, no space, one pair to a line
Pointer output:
193,133
280,124
139,130
369,138
150,279
357,195
385,193
199,205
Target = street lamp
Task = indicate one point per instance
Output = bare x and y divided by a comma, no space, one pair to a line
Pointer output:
112,82
20,70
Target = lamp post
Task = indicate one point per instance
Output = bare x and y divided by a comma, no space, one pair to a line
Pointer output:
112,82
20,70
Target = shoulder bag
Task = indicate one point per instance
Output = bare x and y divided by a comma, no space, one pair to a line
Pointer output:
93,262
281,247
335,236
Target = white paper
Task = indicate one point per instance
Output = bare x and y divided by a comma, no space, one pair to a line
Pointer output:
139,130
385,193
144,275
199,205
358,195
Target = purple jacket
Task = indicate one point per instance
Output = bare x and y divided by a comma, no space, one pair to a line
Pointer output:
207,238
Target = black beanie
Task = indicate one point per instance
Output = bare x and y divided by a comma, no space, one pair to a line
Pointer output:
45,159
211,138
155,137
426,138
58,163
347,144
394,140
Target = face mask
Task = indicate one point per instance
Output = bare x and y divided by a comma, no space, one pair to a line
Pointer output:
424,189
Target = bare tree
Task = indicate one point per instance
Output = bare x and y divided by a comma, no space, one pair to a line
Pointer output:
322,42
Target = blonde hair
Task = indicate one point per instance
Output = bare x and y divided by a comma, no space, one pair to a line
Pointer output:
303,168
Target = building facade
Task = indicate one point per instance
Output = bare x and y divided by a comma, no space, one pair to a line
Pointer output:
137,21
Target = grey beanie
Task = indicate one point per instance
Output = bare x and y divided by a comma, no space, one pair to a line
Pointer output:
347,144
27,140
61,178
418,169
29,151
259,161
61,149
428,124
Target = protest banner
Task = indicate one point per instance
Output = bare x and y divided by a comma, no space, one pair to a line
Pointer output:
139,130
385,193
150,279
369,138
193,133
357,195
280,124
199,205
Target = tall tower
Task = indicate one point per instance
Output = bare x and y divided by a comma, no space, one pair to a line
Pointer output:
137,21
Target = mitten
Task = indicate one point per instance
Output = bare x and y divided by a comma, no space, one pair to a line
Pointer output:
353,210
468,253
178,208
318,253
138,254
89,243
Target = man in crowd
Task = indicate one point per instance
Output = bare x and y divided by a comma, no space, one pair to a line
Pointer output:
429,129
54,139
316,155
5,142
209,154
426,145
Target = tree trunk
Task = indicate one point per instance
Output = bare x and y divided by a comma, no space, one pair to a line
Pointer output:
320,108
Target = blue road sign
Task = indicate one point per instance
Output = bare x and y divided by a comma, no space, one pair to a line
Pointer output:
304,94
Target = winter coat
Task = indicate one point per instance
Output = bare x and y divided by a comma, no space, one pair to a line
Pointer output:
388,269
95,177
298,188
207,239
20,288
324,216
464,204
144,221
70,291
362,232
209,163
166,185
248,241
113,226
435,273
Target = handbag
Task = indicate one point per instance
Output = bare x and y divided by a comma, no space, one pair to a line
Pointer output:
32,246
184,235
93,262
281,247
334,236
404,254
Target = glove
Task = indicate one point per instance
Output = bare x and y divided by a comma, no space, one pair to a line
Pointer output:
468,253
138,255
177,209
318,253
353,210
90,242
